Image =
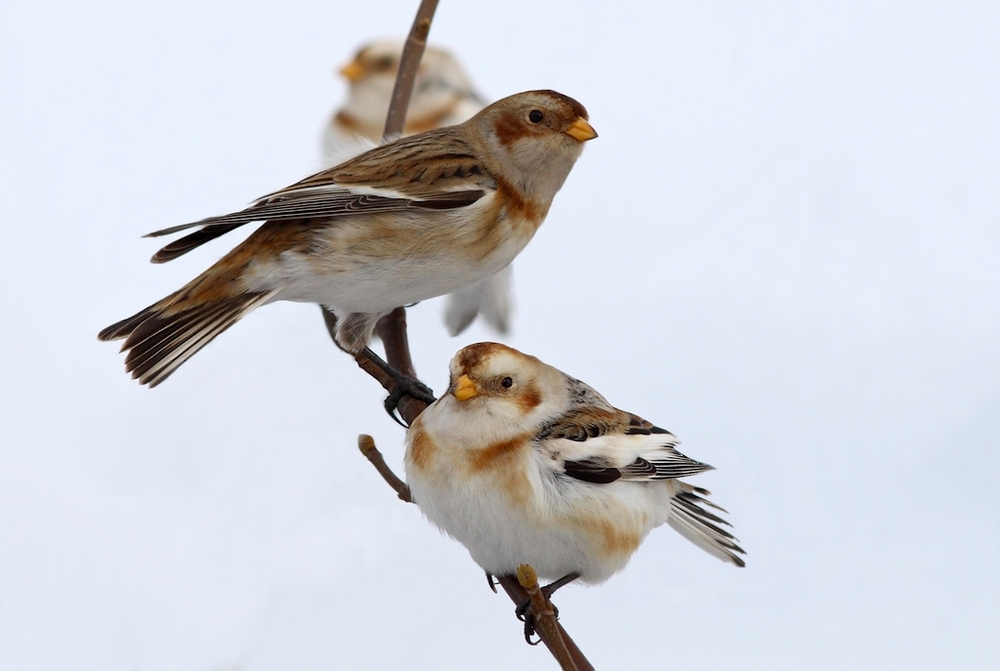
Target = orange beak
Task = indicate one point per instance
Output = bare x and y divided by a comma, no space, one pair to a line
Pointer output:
353,71
464,388
581,130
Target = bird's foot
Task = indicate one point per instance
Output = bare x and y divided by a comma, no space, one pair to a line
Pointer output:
406,386
523,612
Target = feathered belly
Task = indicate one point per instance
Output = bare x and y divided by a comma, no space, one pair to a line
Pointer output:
376,263
526,517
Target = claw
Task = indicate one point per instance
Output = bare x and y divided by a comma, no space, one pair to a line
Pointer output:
529,631
405,386
523,611
391,403
524,614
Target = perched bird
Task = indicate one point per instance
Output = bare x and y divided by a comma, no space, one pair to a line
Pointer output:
442,95
404,222
522,463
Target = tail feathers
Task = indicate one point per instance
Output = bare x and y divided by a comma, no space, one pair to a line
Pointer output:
125,327
160,338
689,517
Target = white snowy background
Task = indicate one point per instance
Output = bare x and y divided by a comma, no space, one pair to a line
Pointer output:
784,247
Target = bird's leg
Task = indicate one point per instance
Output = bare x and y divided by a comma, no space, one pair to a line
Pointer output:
405,385
524,613
491,581
550,589
358,326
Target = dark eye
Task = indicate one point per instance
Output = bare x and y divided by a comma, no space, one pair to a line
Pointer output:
507,383
534,116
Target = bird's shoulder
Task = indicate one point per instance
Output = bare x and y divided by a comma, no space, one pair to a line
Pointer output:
599,443
425,165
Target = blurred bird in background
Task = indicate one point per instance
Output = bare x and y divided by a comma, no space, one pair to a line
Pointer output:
443,95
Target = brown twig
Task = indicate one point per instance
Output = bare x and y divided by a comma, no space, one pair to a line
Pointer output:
544,614
519,595
409,63
391,329
367,446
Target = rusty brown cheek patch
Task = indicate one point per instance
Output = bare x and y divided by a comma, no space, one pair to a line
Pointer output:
529,398
508,130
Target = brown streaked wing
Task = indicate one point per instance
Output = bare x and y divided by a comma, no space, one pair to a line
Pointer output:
313,206
639,426
585,422
417,166
436,170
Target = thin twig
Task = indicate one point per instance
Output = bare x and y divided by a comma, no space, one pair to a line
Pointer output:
409,63
392,330
519,595
544,615
367,446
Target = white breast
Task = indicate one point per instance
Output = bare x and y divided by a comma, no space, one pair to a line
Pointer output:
562,526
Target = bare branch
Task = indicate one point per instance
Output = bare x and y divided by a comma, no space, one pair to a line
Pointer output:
367,446
409,63
392,331
544,618
519,595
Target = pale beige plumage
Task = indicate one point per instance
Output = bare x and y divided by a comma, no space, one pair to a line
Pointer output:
404,222
443,95
525,464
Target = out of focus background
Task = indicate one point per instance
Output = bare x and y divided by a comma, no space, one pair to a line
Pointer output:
784,247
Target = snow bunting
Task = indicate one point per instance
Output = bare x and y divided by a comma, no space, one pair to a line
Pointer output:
442,95
524,464
413,219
